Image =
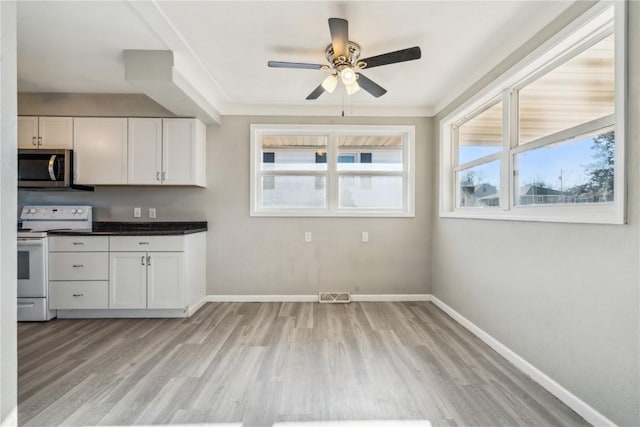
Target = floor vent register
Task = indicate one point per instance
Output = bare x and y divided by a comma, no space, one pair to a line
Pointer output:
334,297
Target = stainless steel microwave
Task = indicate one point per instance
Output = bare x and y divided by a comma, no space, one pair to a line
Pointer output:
45,168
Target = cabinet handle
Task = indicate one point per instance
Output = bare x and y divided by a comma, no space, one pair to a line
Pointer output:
39,140
143,243
78,243
148,259
33,140
142,260
78,266
157,176
78,295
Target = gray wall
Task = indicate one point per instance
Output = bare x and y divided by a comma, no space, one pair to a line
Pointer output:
563,296
268,255
8,273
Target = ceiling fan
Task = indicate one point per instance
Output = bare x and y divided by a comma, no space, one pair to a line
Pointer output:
344,61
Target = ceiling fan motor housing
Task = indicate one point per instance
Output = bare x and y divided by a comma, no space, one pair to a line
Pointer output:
340,62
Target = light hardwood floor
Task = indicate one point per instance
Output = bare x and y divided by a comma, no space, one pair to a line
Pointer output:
260,363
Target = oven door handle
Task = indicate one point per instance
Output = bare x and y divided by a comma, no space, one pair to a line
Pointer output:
25,304
30,242
52,161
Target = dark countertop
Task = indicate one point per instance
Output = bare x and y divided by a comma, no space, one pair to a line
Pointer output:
114,228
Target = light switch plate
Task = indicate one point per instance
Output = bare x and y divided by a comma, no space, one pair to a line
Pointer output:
307,237
365,237
152,213
137,212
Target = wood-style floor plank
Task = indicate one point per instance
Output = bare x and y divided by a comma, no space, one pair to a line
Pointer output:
262,363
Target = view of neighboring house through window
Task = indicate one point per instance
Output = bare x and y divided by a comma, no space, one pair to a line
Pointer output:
344,170
480,142
547,136
568,115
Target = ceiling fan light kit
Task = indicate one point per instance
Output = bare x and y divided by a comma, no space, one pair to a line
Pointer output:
343,57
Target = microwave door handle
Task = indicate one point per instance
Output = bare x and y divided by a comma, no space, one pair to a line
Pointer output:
52,162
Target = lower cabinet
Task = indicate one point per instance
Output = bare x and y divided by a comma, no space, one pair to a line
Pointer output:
146,280
120,276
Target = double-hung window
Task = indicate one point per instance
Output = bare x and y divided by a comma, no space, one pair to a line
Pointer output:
332,170
545,142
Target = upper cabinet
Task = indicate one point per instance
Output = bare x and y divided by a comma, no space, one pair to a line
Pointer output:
167,152
45,132
100,150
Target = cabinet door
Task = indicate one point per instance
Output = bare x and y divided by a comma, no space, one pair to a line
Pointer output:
128,280
27,132
178,151
145,151
56,132
166,280
100,150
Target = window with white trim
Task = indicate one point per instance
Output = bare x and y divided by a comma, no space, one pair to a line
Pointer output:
545,142
332,170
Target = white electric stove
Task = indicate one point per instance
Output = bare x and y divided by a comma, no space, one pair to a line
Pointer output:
33,254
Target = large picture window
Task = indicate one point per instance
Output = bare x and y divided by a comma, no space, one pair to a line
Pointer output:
546,141
314,170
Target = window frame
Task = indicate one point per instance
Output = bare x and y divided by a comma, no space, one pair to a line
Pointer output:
598,22
332,132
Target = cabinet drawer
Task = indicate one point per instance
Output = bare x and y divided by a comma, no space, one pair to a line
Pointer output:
78,244
79,266
146,243
78,295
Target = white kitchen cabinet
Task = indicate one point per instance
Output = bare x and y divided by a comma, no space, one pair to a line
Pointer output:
166,152
154,278
165,280
45,132
145,151
128,280
78,272
100,150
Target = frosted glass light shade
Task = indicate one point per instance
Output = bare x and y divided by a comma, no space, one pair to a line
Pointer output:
348,76
329,84
352,88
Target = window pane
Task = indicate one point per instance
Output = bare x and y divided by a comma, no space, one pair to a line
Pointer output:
370,191
286,191
479,186
577,171
370,153
481,135
294,153
578,91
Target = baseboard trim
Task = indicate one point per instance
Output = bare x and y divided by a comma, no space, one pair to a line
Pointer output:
195,307
314,298
571,400
262,298
390,297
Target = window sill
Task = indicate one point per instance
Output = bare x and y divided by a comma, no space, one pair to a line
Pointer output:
326,214
584,215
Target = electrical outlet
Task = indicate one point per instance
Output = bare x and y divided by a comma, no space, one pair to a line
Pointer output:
152,213
137,212
307,237
365,237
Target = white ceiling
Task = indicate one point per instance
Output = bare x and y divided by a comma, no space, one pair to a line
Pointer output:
77,47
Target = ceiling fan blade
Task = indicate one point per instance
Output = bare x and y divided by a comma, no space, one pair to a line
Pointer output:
316,93
339,29
370,86
393,57
280,64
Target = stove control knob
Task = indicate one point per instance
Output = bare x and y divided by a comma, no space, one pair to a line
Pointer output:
80,211
74,210
32,211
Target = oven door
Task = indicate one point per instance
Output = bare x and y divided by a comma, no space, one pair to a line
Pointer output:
32,268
